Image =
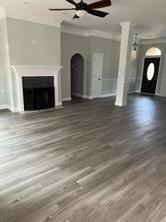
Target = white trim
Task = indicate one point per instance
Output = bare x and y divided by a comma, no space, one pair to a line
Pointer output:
4,107
78,95
37,20
12,109
105,95
152,41
108,95
88,33
155,56
131,92
82,96
87,97
66,99
72,30
106,35
158,77
21,71
141,78
2,13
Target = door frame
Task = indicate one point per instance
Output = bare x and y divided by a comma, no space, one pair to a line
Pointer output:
142,72
92,77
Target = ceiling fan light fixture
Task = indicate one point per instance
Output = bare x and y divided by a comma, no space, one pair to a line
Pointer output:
81,13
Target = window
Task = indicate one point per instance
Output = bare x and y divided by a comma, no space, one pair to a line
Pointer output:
153,52
150,71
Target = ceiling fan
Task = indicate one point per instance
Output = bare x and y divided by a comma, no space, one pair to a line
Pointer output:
83,8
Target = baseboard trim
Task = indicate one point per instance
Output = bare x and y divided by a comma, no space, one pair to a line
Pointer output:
131,92
15,109
66,99
107,95
78,95
4,107
114,94
87,97
12,109
82,96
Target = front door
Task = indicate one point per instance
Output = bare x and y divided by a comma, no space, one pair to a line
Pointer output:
150,75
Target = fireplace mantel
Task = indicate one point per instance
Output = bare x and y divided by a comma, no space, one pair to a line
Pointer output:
19,71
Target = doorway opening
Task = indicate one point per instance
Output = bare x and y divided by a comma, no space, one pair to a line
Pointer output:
151,71
77,76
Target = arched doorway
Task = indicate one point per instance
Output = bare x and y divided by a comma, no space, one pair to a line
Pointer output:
151,70
77,76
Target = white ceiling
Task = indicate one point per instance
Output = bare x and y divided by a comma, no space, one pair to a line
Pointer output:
148,15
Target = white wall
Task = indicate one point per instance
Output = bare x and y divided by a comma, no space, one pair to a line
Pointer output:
6,99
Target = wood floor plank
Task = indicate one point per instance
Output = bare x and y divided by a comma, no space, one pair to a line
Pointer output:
88,161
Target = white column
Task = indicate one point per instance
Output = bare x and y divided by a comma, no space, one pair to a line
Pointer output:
124,63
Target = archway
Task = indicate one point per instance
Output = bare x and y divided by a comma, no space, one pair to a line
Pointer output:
77,76
151,70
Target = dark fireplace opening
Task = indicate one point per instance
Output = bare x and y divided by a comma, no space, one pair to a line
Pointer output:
38,93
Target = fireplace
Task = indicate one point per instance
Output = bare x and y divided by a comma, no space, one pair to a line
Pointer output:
38,93
35,87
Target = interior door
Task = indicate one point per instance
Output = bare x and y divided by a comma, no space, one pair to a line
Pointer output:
150,75
97,74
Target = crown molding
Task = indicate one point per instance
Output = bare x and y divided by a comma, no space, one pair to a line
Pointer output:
2,13
153,41
106,35
72,30
38,20
88,33
127,23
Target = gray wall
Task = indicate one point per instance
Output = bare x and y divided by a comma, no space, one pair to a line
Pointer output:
161,85
32,43
133,70
110,50
86,46
70,45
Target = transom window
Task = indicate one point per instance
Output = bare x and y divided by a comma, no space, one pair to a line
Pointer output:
153,52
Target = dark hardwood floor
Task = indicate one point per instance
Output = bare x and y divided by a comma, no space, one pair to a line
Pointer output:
85,162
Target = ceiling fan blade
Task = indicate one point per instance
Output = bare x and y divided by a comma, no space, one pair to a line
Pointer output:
62,9
97,13
100,4
72,2
76,17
